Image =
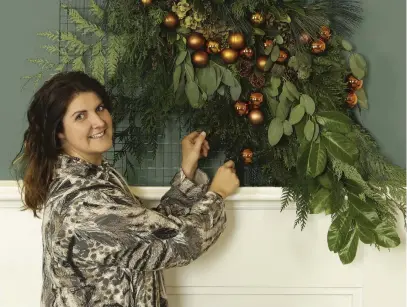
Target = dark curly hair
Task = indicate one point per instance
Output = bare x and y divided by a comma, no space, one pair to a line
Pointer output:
35,162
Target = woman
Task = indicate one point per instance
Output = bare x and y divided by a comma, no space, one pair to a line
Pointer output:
101,247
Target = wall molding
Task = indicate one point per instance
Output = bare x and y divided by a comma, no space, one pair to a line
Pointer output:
246,198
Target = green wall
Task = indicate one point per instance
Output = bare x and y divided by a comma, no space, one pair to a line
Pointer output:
381,38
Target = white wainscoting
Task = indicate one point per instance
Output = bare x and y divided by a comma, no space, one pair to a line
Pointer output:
260,260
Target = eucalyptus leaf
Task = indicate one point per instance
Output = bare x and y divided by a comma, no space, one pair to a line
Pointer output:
268,50
386,236
362,99
308,103
221,90
192,92
334,121
279,39
181,57
283,109
273,104
358,65
190,72
347,45
228,78
297,113
275,131
309,130
207,79
292,89
268,65
275,53
316,133
340,147
235,91
257,31
287,128
293,63
275,82
348,253
177,77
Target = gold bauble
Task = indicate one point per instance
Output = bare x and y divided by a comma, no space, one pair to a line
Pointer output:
256,117
354,83
247,53
318,46
352,99
257,19
195,41
282,57
267,43
325,33
236,41
171,21
256,99
241,108
213,47
261,62
229,56
200,59
146,2
247,155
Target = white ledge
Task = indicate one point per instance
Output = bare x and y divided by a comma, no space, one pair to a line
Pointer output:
247,198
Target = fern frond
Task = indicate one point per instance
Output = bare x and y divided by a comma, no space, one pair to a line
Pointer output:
51,49
82,24
98,63
73,43
42,63
78,64
54,36
113,54
288,195
96,11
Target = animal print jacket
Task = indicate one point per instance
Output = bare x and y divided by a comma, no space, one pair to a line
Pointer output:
103,248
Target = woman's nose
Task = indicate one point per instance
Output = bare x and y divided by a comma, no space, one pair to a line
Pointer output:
97,121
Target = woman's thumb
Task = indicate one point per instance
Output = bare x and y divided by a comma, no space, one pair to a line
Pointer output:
199,140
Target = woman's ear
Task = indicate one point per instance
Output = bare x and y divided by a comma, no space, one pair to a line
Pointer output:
61,136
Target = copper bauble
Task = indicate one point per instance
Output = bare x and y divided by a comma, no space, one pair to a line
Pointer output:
200,59
247,155
213,47
261,62
268,43
195,41
146,2
325,33
256,100
257,19
318,46
354,83
171,21
305,38
241,108
283,57
247,53
236,41
256,117
352,99
229,56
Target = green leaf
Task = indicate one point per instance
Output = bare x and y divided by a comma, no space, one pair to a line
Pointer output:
279,39
293,63
347,45
228,78
287,128
303,159
182,30
309,130
190,72
275,82
337,233
221,90
268,65
235,91
348,253
325,180
340,147
317,160
362,99
257,31
316,133
365,235
292,89
283,109
358,65
275,131
275,53
177,77
192,92
268,50
386,236
334,121
321,201
364,214
207,79
299,130
308,103
297,113
181,57
273,104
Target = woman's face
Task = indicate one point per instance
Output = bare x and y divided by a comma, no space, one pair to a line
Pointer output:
88,128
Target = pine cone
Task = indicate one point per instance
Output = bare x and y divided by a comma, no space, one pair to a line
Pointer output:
245,68
257,81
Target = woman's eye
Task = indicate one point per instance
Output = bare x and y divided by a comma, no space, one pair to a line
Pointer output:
80,116
100,108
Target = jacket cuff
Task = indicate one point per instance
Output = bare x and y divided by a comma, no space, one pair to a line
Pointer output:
198,185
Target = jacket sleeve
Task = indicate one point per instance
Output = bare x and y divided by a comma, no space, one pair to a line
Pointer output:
106,233
183,193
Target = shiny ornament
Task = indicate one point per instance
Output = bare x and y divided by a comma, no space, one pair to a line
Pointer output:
195,41
146,2
354,83
256,117
229,56
261,62
325,33
171,21
283,57
352,99
236,41
241,108
318,46
200,59
256,100
305,38
247,53
257,19
212,47
268,43
247,156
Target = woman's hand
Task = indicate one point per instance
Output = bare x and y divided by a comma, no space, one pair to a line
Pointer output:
194,147
225,182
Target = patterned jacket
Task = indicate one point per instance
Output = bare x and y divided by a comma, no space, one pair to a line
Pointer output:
103,248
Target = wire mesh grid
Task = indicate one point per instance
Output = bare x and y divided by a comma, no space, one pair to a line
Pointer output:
155,170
